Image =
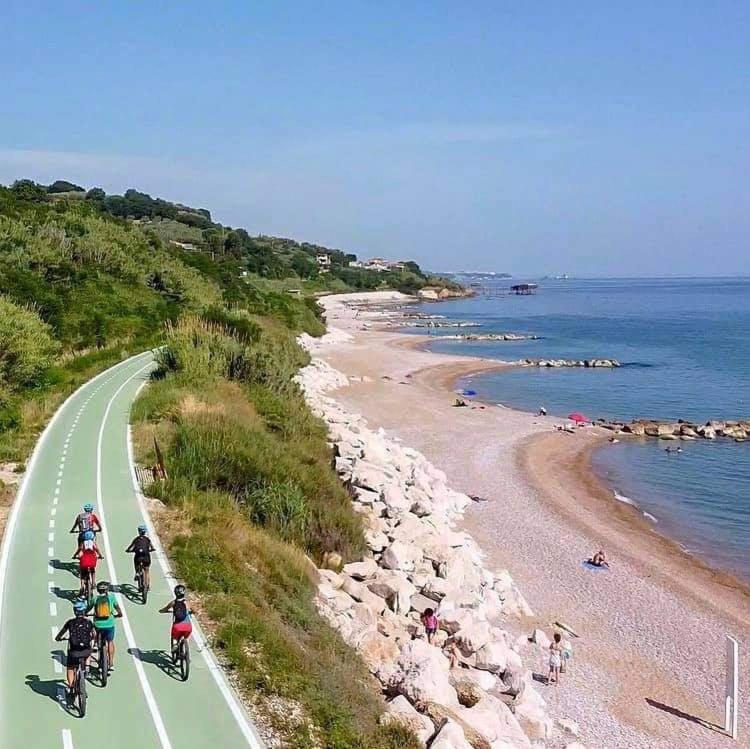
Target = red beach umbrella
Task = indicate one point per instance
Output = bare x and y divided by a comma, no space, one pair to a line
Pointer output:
579,418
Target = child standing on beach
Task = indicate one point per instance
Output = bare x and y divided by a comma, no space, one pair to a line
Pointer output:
555,659
430,622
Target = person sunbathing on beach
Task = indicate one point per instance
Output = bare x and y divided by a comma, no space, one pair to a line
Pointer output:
599,559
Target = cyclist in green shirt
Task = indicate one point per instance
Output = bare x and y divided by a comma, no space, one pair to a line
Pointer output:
106,609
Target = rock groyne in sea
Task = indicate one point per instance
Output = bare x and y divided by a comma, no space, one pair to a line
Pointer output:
470,687
562,363
739,431
491,337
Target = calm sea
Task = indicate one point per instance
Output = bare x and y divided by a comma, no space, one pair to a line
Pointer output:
685,344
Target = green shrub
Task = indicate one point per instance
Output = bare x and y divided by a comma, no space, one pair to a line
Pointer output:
280,506
26,346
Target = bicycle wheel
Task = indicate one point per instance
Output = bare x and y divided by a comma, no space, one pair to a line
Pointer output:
103,661
184,659
81,691
142,586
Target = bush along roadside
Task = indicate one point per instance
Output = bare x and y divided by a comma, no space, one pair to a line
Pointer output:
250,506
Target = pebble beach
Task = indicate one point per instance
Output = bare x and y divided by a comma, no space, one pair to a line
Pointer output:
648,659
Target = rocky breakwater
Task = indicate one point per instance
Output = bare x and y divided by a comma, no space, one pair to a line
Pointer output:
739,431
491,337
452,693
560,363
438,293
434,324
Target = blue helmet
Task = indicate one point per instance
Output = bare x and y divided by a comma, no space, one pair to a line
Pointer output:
142,530
88,535
79,607
88,507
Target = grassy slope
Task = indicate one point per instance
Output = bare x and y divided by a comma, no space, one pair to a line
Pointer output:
251,496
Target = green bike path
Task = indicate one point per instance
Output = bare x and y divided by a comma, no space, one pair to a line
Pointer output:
84,455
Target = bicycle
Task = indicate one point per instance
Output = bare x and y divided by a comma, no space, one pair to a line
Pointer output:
140,577
79,689
102,657
86,590
181,656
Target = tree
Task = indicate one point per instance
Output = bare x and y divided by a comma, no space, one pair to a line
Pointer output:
304,266
61,185
26,189
96,195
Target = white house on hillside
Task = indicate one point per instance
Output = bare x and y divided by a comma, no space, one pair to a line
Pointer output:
324,261
378,264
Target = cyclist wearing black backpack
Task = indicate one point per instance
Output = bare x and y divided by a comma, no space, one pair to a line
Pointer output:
181,625
81,634
141,548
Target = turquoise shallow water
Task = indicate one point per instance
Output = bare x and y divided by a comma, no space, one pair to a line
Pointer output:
686,346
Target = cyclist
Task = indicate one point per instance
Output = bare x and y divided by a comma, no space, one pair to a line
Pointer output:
141,548
181,625
106,609
81,635
86,521
87,553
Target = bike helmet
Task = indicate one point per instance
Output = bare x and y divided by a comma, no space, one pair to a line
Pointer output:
88,507
142,530
179,591
88,535
79,607
102,587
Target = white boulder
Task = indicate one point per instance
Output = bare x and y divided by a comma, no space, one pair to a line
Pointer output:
363,570
451,736
401,556
401,712
424,675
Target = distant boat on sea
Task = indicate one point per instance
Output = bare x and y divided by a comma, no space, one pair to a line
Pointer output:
564,277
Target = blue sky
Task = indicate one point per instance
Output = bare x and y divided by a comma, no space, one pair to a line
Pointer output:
555,137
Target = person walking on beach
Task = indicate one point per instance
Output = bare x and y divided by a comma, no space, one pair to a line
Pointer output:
555,659
567,654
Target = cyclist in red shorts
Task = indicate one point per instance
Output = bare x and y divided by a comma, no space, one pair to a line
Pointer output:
181,625
87,554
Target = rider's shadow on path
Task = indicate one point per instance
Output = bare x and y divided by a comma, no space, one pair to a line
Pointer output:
71,567
67,595
158,658
129,591
47,688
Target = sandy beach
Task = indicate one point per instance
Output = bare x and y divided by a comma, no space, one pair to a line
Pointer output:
648,665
